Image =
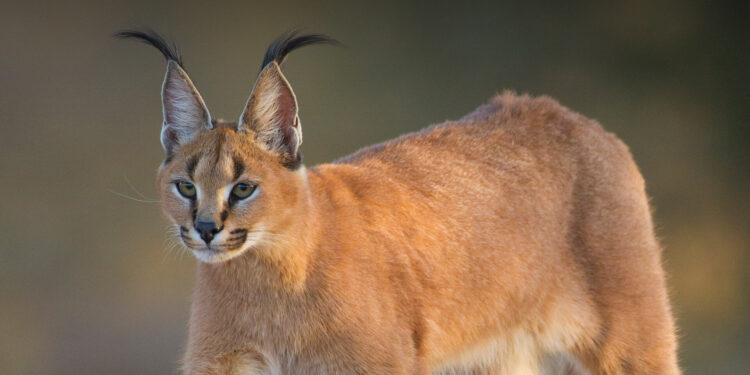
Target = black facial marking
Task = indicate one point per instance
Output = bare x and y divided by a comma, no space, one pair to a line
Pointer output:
192,163
238,231
224,215
195,210
236,241
186,239
239,167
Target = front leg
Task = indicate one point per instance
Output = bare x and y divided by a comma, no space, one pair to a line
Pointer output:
237,362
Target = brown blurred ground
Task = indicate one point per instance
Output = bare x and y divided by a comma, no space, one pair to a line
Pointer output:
86,283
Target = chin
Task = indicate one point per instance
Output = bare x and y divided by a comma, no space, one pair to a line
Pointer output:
217,256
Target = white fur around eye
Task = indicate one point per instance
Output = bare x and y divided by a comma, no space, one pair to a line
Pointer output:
253,194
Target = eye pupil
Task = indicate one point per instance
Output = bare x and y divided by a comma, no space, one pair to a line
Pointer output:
241,191
186,189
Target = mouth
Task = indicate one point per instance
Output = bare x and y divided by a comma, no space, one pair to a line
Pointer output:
215,251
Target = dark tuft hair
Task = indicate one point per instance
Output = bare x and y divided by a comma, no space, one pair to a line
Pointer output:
150,37
290,41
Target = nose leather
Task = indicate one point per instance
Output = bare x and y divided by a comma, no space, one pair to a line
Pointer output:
207,230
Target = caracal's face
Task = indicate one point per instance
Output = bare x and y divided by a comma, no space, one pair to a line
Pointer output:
224,193
229,187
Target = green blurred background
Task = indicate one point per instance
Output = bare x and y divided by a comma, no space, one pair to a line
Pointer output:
87,283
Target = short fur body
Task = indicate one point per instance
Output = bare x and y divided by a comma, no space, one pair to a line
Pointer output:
516,240
493,244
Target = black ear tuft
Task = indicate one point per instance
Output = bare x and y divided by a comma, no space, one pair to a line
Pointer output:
150,37
290,41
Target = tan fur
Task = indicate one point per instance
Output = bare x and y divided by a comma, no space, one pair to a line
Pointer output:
516,240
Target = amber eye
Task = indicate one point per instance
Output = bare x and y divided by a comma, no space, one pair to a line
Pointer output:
186,189
242,191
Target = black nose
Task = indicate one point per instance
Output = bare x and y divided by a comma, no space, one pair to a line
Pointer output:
207,229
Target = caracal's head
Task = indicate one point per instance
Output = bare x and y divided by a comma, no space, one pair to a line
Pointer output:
230,187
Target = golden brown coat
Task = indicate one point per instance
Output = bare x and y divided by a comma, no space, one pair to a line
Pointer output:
515,240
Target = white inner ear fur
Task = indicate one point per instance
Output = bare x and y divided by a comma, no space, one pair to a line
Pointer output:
185,112
272,106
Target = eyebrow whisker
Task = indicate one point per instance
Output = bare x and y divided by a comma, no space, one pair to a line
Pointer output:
127,181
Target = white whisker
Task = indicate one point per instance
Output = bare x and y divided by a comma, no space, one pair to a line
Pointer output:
127,181
172,244
131,198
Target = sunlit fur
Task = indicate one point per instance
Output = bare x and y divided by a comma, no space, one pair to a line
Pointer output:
516,240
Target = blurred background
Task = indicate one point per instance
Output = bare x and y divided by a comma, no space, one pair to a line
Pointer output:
87,282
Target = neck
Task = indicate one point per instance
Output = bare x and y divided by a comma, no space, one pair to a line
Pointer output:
280,259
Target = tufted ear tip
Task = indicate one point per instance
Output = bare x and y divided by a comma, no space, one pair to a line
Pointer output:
185,112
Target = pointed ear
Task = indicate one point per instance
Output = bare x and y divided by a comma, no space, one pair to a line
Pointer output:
185,113
271,117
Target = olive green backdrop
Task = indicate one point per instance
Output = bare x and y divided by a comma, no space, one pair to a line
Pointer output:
87,282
